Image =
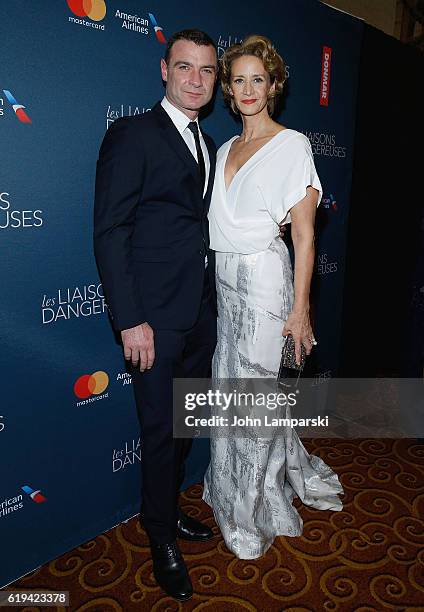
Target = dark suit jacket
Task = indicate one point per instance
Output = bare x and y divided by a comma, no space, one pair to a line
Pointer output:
150,224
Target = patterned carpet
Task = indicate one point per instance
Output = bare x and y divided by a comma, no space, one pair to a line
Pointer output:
367,558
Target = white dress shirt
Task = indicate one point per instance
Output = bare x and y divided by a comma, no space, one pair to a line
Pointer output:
181,121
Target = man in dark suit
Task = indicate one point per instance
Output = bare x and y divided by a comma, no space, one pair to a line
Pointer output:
153,186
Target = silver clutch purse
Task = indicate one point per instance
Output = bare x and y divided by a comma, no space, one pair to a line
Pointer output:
289,372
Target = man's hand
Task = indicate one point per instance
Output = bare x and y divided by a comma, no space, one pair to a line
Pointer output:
139,346
282,229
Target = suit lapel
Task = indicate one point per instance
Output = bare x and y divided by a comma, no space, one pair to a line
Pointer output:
176,141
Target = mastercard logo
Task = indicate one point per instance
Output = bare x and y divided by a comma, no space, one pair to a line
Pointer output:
91,384
94,9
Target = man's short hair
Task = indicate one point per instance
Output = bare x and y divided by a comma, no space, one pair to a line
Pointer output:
197,36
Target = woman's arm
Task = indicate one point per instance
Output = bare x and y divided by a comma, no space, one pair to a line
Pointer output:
303,222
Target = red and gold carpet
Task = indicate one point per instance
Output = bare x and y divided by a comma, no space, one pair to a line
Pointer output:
367,558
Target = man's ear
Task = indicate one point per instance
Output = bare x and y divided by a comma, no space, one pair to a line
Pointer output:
164,70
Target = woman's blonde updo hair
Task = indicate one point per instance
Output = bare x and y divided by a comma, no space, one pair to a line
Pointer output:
260,47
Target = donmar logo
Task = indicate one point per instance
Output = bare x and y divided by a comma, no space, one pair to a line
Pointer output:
325,76
94,9
18,108
158,30
36,496
91,384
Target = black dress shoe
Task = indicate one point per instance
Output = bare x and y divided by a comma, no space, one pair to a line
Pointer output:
170,570
189,528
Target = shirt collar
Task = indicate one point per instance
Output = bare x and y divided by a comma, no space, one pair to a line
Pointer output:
178,118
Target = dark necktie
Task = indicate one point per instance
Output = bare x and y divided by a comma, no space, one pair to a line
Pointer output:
193,127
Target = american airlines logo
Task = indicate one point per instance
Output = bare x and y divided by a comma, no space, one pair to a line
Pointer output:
325,76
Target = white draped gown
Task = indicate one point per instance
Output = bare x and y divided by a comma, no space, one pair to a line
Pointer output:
251,482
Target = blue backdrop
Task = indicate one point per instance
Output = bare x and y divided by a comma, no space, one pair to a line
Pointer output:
69,438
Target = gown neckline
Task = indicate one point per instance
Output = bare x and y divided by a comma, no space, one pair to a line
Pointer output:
230,142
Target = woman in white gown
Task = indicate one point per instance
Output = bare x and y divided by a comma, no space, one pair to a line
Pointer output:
263,177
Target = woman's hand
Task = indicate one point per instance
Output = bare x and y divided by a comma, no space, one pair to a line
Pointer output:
298,325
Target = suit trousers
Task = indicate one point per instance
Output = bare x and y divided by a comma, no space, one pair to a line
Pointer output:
178,354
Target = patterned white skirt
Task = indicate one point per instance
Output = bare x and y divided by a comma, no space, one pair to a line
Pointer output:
251,482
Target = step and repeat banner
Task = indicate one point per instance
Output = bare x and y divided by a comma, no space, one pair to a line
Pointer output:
69,435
